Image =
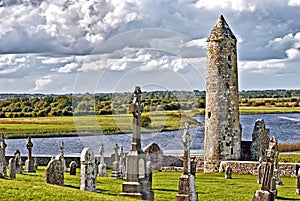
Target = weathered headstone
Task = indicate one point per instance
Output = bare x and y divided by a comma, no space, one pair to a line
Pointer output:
55,173
18,160
102,165
29,163
228,172
156,155
35,163
12,168
260,140
137,184
298,182
2,156
115,173
277,168
260,171
267,189
186,187
88,170
73,166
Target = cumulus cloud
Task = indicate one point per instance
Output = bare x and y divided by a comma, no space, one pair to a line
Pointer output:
41,84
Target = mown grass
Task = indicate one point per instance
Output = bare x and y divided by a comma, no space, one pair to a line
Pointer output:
268,110
90,125
213,186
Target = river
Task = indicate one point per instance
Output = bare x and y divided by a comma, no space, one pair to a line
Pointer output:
286,127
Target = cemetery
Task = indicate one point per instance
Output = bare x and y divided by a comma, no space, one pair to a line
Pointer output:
229,169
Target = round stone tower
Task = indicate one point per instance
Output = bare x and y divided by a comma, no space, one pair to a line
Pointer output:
222,122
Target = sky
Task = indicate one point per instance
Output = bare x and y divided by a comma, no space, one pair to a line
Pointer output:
70,46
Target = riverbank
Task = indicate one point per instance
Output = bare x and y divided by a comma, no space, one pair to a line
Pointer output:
114,124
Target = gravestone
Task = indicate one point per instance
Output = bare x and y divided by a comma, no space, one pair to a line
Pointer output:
260,140
12,168
122,167
298,183
35,164
137,184
62,148
156,155
29,163
2,156
115,173
277,168
260,171
18,162
228,172
102,165
186,186
73,166
55,173
267,189
88,170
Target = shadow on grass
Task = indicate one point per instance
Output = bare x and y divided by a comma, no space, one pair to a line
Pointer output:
70,186
283,198
162,189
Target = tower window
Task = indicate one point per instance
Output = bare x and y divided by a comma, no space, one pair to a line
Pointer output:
229,58
231,151
209,114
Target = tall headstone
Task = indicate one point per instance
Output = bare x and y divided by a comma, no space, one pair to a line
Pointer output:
2,156
55,172
298,182
260,140
137,184
260,171
88,170
115,173
62,148
122,167
18,161
186,186
222,122
102,165
267,191
12,168
73,166
29,163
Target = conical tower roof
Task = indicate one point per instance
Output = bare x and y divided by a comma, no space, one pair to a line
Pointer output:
221,31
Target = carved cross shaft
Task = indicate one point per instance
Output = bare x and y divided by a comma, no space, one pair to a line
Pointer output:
136,109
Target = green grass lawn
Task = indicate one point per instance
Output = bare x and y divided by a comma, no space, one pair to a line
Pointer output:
90,125
32,186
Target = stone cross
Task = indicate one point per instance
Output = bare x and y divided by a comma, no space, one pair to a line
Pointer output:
29,163
29,146
269,168
2,156
186,140
62,156
88,170
136,109
102,166
186,186
298,183
121,165
115,174
12,168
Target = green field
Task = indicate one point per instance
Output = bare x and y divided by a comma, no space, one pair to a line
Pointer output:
90,125
214,187
268,110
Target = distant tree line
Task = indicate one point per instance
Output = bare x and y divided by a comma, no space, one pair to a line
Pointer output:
41,105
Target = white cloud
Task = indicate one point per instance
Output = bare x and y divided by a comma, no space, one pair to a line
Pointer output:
42,83
294,3
237,5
